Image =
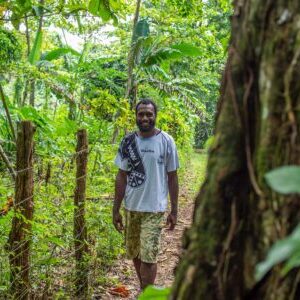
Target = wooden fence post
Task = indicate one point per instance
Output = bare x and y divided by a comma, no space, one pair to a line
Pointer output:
20,234
80,231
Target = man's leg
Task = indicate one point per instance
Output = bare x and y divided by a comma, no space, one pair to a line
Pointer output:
150,239
132,240
148,274
137,265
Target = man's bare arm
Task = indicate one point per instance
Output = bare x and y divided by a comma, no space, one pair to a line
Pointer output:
173,190
120,187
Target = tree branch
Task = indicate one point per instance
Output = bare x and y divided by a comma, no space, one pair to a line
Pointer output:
8,163
2,96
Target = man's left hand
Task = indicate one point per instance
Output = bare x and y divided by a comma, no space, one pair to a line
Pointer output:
172,220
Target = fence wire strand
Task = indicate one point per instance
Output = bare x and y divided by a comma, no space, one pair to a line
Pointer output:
65,252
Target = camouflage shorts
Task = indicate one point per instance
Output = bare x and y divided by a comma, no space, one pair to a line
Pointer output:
142,235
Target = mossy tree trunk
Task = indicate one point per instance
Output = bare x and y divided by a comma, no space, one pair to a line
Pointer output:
237,217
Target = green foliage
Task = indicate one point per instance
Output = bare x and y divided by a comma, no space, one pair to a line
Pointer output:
35,52
59,52
284,180
30,113
173,119
287,250
10,48
103,105
153,292
209,142
19,9
101,8
176,51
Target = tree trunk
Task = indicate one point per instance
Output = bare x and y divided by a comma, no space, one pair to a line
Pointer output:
237,217
20,234
80,231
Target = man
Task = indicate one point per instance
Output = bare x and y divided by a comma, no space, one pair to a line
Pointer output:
148,163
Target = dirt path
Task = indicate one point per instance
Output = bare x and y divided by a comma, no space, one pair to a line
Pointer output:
123,272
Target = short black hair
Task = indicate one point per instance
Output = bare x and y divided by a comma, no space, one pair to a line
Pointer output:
146,101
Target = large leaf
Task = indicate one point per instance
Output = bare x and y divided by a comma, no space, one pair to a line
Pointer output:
35,52
284,180
287,248
57,53
142,29
160,55
187,49
40,120
176,51
101,9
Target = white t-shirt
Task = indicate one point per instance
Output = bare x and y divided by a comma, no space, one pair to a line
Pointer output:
147,161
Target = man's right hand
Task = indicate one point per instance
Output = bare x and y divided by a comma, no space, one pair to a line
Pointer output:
117,221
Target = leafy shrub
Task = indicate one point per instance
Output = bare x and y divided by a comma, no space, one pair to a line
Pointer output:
10,48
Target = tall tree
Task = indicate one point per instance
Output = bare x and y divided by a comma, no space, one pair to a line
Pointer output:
237,217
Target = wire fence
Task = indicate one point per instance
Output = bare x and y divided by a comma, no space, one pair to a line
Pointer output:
51,239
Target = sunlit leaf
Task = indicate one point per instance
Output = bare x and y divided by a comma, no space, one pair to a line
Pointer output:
101,9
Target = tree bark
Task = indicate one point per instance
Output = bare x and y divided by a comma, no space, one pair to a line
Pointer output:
237,217
80,231
20,234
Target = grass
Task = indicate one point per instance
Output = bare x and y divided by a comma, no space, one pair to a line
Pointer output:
193,176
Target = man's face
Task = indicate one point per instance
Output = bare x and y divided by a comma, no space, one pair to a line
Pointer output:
145,117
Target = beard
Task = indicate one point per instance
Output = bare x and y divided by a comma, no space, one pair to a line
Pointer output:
150,126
